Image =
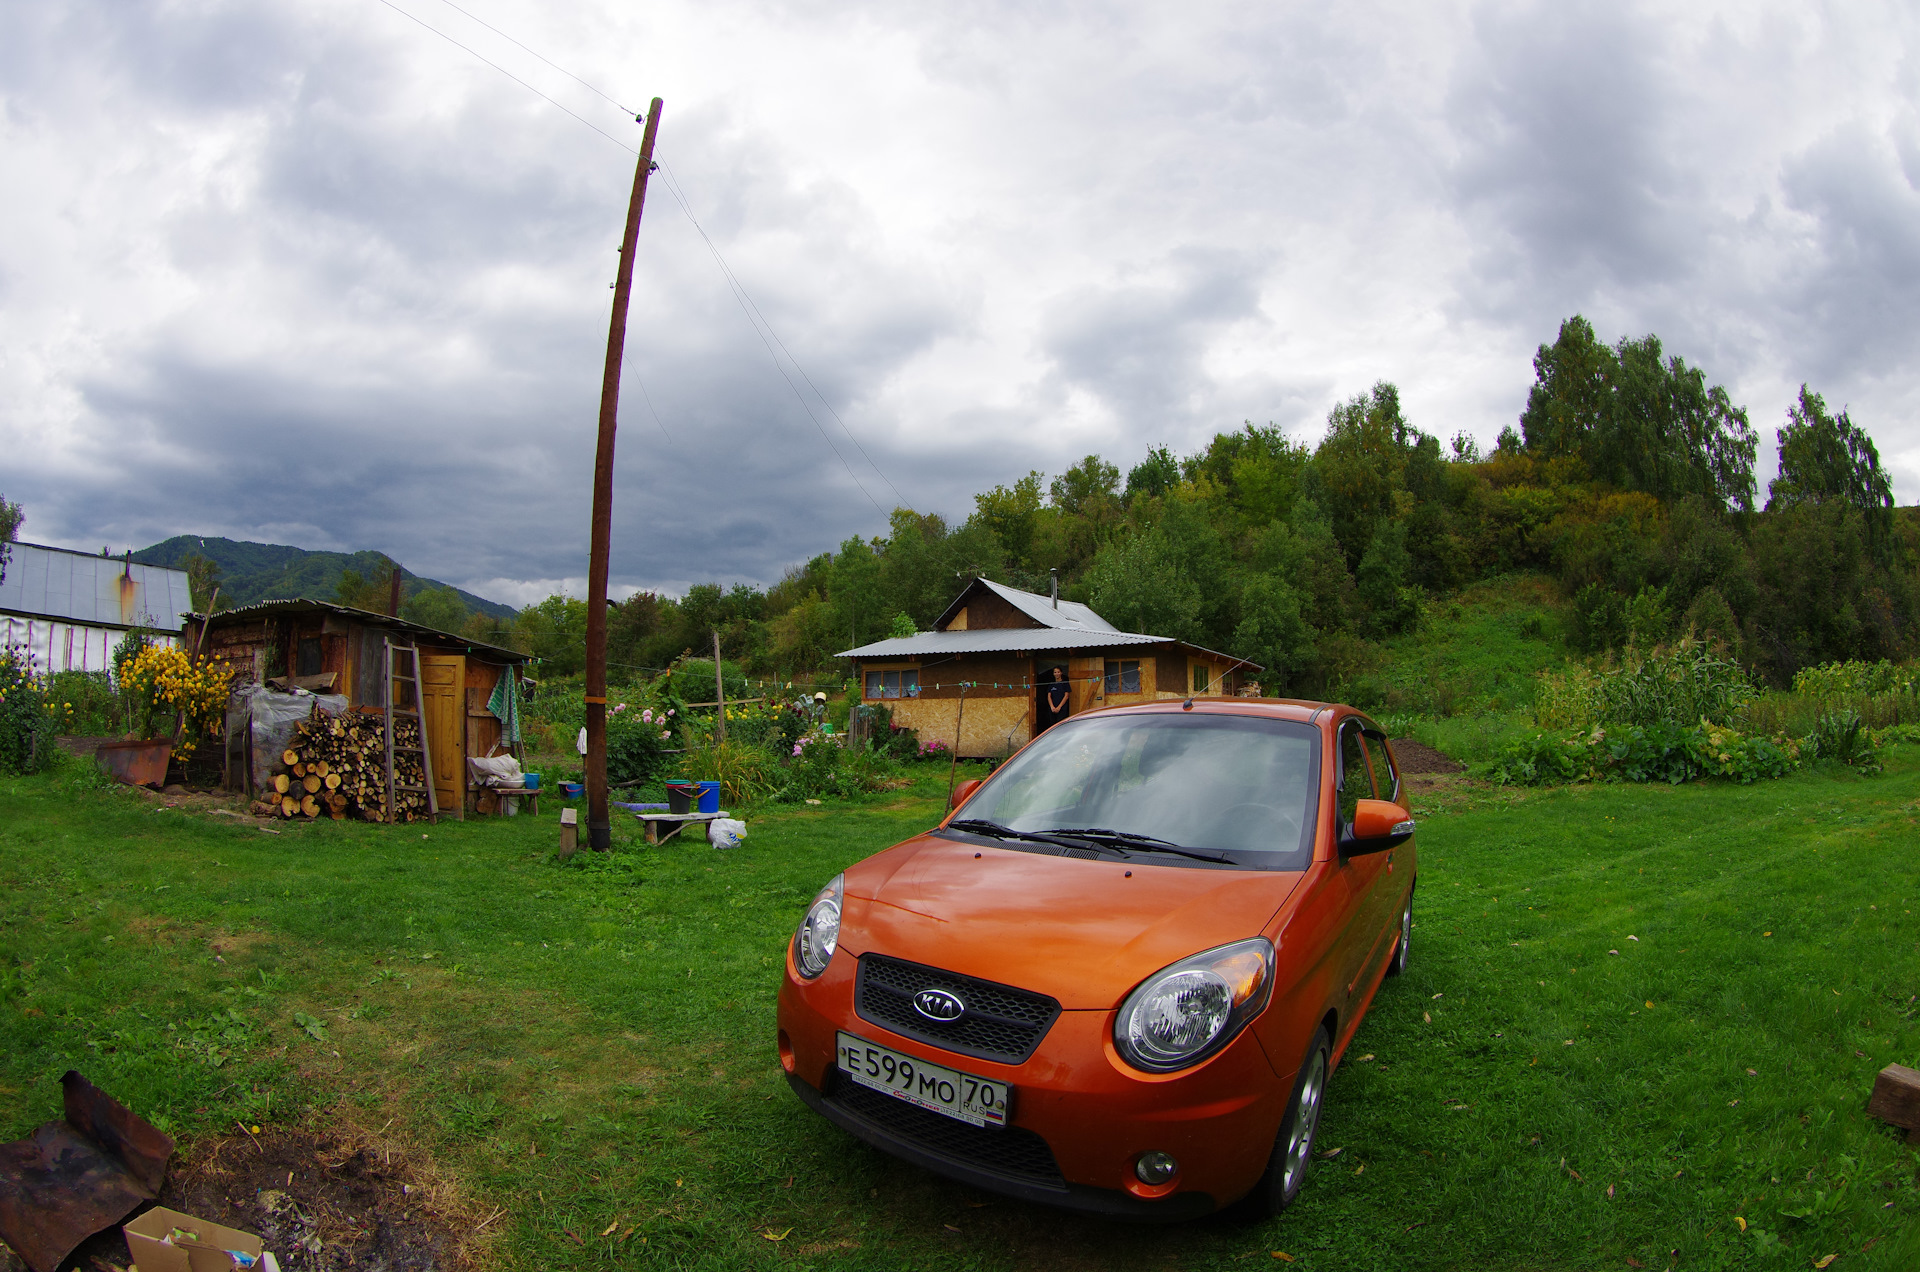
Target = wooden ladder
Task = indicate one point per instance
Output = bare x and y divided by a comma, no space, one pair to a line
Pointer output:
389,673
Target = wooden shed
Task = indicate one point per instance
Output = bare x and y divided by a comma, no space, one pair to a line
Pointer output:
995,646
329,648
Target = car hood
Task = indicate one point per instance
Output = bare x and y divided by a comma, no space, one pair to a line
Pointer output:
1085,932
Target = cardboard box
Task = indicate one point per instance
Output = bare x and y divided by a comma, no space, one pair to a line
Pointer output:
205,1251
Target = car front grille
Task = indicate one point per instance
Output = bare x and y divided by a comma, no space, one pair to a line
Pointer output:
1010,1151
1001,1023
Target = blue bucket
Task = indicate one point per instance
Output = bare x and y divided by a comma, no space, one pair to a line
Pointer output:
709,797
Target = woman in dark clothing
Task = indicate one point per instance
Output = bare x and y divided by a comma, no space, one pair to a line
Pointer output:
1054,698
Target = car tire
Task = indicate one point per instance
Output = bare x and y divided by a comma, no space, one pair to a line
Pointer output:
1399,961
1292,1153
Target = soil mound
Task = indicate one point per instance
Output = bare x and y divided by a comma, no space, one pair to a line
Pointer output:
1412,757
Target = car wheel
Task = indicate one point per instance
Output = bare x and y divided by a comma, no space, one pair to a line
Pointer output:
1399,963
1293,1147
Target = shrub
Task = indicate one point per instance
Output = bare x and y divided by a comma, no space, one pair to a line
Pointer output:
1841,736
82,702
637,743
1646,753
822,766
1678,685
691,680
162,681
26,730
1848,679
745,772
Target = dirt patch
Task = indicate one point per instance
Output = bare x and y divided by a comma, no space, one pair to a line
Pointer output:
1412,757
319,1201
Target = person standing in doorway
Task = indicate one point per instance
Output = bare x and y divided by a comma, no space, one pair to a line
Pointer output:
1055,697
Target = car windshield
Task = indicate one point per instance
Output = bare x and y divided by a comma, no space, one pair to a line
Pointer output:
1233,789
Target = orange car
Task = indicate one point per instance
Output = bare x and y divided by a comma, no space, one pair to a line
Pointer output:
1117,977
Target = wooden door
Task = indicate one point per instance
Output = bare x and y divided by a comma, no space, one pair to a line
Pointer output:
443,683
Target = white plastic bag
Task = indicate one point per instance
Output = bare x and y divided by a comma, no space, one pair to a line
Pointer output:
581,745
726,832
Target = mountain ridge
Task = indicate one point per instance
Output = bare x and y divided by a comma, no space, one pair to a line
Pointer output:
253,572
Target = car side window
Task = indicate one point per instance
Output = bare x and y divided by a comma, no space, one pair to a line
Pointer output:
1385,779
1356,783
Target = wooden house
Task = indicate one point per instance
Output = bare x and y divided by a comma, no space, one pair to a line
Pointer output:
995,646
329,648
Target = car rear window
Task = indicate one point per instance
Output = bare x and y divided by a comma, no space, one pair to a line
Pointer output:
1246,786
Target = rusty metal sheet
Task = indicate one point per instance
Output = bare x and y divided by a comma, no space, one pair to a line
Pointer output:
77,1176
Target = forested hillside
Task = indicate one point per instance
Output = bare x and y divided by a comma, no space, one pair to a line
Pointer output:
249,572
1628,481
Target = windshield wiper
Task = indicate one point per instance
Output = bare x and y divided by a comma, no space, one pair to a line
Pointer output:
994,830
1142,843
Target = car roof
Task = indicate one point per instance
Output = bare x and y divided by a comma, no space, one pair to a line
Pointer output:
1300,710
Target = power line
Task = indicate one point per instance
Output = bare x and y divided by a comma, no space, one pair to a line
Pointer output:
625,110
673,186
744,301
755,317
510,75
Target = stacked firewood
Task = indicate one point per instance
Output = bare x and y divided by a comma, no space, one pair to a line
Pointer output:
336,765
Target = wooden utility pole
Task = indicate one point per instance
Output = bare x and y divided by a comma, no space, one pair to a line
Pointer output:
599,826
953,760
719,691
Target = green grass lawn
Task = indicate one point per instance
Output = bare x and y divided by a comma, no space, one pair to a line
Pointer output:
589,1046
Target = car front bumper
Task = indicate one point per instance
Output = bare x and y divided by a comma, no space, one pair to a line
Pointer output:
1080,1120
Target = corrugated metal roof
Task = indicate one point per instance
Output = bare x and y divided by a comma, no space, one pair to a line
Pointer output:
997,640
79,587
301,605
1070,615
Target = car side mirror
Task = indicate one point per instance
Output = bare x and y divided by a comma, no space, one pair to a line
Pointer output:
1377,826
963,791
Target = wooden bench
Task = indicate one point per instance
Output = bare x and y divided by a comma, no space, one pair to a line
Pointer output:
673,823
530,797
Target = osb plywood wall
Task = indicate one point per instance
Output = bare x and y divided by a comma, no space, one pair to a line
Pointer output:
994,726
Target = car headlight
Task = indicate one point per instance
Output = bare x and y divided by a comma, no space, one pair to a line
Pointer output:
1184,1013
819,933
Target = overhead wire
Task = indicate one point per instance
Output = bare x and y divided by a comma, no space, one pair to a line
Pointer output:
740,298
510,75
748,306
748,302
625,110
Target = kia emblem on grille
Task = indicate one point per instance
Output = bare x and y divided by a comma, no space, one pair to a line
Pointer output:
939,1004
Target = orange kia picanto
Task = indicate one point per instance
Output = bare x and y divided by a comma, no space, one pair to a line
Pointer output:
1117,977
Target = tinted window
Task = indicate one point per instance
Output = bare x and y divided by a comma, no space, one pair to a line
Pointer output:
1237,784
1356,783
1385,780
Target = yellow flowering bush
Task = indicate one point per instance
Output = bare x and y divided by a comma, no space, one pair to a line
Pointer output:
163,680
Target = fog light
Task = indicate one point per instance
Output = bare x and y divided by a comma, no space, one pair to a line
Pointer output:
1156,1168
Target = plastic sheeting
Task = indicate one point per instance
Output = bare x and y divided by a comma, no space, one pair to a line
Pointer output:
500,771
273,717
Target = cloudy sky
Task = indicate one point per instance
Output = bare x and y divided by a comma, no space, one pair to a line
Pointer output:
305,271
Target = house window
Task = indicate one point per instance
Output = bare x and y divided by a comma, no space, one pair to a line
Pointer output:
1123,676
894,684
1202,677
307,659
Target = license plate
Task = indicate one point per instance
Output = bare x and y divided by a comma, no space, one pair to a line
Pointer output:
931,1086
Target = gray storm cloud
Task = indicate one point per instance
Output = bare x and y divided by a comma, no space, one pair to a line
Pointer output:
309,273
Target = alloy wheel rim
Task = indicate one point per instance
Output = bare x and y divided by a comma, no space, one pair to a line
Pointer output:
1306,1120
1406,931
